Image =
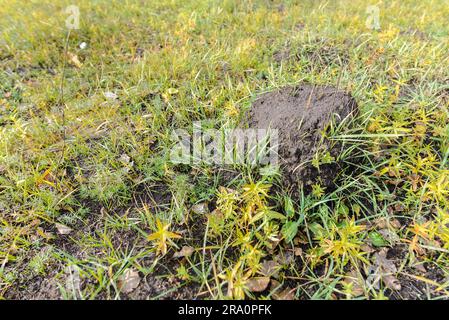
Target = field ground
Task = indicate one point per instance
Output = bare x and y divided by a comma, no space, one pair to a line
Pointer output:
92,208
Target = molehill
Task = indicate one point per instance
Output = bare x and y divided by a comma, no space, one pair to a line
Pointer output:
300,114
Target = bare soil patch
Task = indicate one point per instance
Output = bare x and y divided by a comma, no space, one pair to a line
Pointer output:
301,114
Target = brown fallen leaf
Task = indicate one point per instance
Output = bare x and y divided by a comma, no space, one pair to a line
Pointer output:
385,269
385,223
298,252
352,278
386,264
185,252
367,248
391,282
63,229
420,267
286,294
284,258
380,223
257,284
395,223
274,285
128,281
34,222
217,213
300,240
270,268
225,189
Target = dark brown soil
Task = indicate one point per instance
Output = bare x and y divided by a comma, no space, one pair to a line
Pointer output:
300,114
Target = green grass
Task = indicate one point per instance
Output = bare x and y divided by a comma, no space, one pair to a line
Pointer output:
100,165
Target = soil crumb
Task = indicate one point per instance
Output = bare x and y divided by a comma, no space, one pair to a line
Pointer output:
300,114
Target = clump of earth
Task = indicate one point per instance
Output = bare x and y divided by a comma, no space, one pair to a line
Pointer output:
300,114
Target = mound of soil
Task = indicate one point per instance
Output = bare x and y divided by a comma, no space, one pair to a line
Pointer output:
300,114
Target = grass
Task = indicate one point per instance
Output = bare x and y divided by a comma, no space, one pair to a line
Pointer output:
94,158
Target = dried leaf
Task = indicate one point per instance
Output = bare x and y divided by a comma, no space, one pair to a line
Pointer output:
200,208
286,294
222,189
185,251
385,269
274,285
270,268
381,260
73,59
284,258
380,223
395,223
128,281
420,267
391,282
384,223
257,284
298,252
367,248
62,229
414,179
353,278
300,240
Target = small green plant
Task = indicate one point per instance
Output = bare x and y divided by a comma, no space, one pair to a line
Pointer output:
162,236
317,190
